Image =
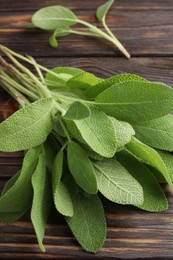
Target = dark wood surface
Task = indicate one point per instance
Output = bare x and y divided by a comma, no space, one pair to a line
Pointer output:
146,29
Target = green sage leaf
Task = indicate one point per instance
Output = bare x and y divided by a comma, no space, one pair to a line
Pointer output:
41,200
28,127
61,196
116,184
157,133
98,132
136,101
100,87
103,10
149,156
168,161
76,111
81,168
88,223
16,199
124,132
154,197
83,80
54,17
10,183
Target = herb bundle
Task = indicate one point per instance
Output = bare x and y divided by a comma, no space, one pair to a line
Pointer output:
60,19
84,136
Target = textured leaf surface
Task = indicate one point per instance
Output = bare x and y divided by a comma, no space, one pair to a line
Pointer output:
54,17
41,200
10,183
61,195
168,161
103,10
83,80
81,168
149,156
88,223
98,132
76,111
154,197
116,184
28,127
157,133
17,199
136,101
100,87
124,132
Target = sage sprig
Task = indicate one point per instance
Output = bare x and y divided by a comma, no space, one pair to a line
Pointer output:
82,136
60,19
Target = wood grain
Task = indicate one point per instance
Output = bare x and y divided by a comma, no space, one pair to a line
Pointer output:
146,29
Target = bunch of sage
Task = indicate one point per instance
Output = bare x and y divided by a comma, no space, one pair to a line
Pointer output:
60,19
84,136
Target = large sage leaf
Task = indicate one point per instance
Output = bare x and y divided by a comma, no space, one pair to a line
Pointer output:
81,168
116,184
28,127
157,133
100,87
16,199
150,156
61,195
154,197
41,200
54,17
88,223
98,132
136,101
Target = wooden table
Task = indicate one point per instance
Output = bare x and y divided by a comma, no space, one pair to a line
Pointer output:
146,29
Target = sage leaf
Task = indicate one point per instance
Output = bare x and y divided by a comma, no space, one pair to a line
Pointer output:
61,195
154,197
124,132
103,10
28,127
58,33
136,101
157,133
100,87
53,41
149,156
16,199
59,75
88,223
76,111
116,184
51,147
83,80
81,168
93,129
53,17
168,161
10,183
41,200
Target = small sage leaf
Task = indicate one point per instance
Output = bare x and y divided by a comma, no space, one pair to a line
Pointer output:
54,17
124,132
10,183
81,168
41,200
61,195
136,101
88,223
16,199
103,10
149,156
168,161
116,184
76,111
51,147
98,132
84,80
157,133
28,127
154,197
100,87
